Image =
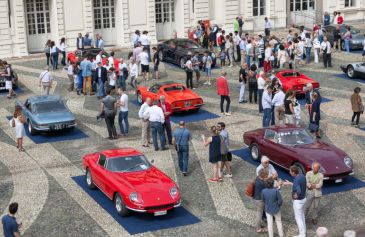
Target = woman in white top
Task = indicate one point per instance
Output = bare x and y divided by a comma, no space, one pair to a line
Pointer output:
133,68
112,78
18,122
63,50
282,56
316,46
54,55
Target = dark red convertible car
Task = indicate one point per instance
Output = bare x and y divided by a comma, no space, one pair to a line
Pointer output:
290,145
126,177
292,79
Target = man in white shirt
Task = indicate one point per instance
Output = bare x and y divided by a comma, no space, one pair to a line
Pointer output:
146,131
123,112
133,68
237,40
326,50
267,26
278,103
143,58
156,117
267,106
123,73
146,42
45,80
265,164
98,57
260,89
71,76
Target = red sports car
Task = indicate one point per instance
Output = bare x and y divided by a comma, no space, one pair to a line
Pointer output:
177,95
290,145
292,79
126,177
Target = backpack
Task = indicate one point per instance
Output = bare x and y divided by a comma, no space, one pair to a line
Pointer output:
252,79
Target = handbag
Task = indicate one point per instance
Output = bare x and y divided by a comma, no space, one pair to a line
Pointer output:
12,122
250,190
361,108
313,127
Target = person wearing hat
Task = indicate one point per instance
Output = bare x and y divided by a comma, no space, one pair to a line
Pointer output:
45,80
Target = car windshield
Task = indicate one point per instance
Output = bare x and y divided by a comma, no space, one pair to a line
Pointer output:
175,88
291,74
128,164
353,30
188,45
49,107
294,137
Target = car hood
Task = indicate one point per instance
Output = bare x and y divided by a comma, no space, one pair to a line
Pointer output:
179,95
296,80
54,117
357,37
330,157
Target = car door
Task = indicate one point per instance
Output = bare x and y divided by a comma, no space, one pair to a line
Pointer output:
98,172
170,50
269,146
361,70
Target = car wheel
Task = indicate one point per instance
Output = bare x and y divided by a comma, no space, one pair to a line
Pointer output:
120,205
343,46
255,152
139,98
300,168
350,71
31,130
161,56
89,180
182,63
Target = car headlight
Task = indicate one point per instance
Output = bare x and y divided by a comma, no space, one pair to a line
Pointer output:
348,162
136,198
174,192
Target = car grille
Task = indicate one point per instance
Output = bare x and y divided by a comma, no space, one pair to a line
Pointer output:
160,207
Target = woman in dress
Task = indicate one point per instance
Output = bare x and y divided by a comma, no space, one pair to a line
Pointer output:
289,107
315,114
19,121
214,143
357,106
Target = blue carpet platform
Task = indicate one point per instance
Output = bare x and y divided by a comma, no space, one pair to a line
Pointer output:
345,77
58,136
348,183
188,117
302,101
17,91
140,222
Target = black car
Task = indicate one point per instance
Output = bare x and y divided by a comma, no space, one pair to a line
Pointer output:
176,51
356,37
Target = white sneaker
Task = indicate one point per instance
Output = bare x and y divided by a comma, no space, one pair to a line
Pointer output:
228,176
209,84
227,114
206,83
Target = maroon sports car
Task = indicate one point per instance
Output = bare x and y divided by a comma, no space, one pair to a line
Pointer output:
290,145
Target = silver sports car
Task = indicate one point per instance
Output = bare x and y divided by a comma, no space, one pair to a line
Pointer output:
47,113
354,70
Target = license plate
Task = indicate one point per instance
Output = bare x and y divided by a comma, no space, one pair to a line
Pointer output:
187,104
59,126
338,181
160,213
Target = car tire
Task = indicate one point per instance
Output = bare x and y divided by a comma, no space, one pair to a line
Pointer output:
255,152
182,63
343,45
120,206
350,72
139,98
31,130
89,179
300,168
161,56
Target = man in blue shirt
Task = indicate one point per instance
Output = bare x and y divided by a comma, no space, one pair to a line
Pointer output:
87,41
327,19
181,138
10,226
299,189
267,105
86,67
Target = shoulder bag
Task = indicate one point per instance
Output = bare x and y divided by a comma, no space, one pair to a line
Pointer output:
250,190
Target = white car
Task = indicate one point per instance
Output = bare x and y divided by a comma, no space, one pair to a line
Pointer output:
354,70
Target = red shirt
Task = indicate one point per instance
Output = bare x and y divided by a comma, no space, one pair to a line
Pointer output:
166,108
339,20
222,86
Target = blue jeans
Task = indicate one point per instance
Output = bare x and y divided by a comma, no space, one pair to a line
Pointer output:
122,82
55,60
157,127
260,92
101,92
273,115
347,46
183,156
267,117
123,116
308,54
80,82
248,61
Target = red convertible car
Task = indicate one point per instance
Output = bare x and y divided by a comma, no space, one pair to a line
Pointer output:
290,145
177,95
126,177
292,79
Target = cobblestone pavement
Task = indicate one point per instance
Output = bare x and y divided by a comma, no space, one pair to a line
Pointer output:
51,204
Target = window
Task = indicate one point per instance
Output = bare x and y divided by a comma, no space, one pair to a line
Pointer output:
259,8
38,17
164,11
350,3
104,14
270,134
102,160
301,5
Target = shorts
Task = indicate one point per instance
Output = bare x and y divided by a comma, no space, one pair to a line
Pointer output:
224,158
197,72
8,85
155,68
208,71
145,68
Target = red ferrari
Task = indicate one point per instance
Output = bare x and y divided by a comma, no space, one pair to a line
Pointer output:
292,79
177,95
126,177
290,145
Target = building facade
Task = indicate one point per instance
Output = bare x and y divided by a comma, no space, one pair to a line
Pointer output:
25,25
